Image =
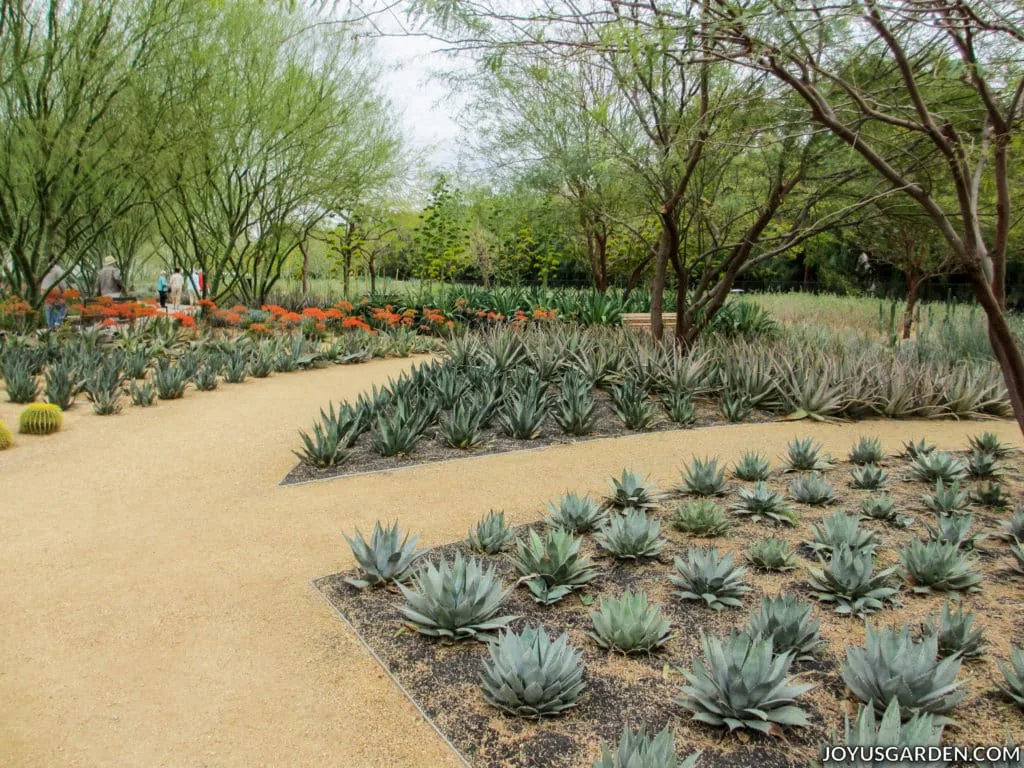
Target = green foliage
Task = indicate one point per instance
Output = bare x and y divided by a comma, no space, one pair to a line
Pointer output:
892,666
919,731
990,444
633,490
236,364
740,683
956,634
142,395
629,624
735,406
990,494
576,410
19,379
983,464
396,433
638,750
170,380
788,622
812,489
631,536
848,580
880,507
529,675
867,450
62,384
760,503
491,535
939,566
840,529
327,446
703,477
522,416
804,455
703,575
771,554
1013,674
552,565
917,450
103,385
577,514
633,406
1013,529
441,238
954,529
455,602
263,360
701,517
752,467
205,377
40,419
679,407
463,428
947,499
869,477
387,558
937,465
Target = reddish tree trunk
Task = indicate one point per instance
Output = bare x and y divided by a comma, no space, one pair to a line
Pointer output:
914,281
1005,346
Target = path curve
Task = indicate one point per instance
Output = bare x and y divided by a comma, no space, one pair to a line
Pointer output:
154,579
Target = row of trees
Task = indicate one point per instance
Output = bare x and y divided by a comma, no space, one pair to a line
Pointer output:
216,136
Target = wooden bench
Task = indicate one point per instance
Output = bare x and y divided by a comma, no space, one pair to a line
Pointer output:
642,320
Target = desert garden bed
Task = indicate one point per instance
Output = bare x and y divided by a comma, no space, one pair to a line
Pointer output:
443,678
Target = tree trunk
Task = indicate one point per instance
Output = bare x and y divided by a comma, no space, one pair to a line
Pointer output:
634,277
914,280
600,261
807,276
666,245
371,265
1007,352
304,250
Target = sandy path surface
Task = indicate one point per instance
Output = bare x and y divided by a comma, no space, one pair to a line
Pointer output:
154,580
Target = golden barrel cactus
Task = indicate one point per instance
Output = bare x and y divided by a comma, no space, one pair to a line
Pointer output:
40,419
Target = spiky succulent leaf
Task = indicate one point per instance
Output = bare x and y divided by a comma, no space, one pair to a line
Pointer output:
752,467
771,554
990,494
848,580
638,750
491,535
387,557
1013,674
760,503
838,529
629,624
788,621
955,529
869,477
939,566
741,683
989,443
633,490
703,575
937,465
804,455
1013,528
812,489
890,731
947,499
892,666
553,564
578,514
983,464
880,507
912,450
701,517
956,634
867,450
529,675
631,536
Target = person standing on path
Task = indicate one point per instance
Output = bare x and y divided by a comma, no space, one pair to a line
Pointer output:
162,289
108,280
176,283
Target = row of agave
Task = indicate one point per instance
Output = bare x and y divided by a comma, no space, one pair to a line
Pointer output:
147,364
741,682
516,382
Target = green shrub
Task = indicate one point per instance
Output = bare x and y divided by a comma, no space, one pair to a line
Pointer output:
848,580
632,490
759,503
956,634
787,621
867,450
939,566
812,489
937,465
804,455
703,477
752,467
869,477
840,529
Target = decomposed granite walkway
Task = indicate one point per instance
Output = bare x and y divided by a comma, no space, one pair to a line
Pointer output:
154,579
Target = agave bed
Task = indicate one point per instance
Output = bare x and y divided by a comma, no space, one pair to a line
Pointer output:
444,679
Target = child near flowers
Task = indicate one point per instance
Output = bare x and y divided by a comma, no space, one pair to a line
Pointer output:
53,285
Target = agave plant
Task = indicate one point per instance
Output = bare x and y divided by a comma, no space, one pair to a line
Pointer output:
491,535
679,407
849,581
522,417
880,507
990,494
735,406
629,624
576,410
891,731
989,443
752,467
981,464
939,566
812,489
529,675
867,450
804,455
787,621
913,450
1013,674
1018,557
463,429
324,448
396,434
869,477
387,558
892,666
578,514
937,465
947,499
839,529
143,395
633,406
956,634
703,477
954,529
552,565
631,536
759,503
632,490
456,601
771,554
63,383
1013,529
638,750
740,683
703,575
701,517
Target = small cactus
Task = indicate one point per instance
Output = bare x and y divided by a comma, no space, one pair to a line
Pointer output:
40,419
6,438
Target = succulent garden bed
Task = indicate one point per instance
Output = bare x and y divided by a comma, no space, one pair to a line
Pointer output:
512,390
975,571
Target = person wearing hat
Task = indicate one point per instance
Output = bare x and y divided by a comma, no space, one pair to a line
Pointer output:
108,279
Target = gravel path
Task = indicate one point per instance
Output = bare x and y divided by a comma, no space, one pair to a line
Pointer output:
154,579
